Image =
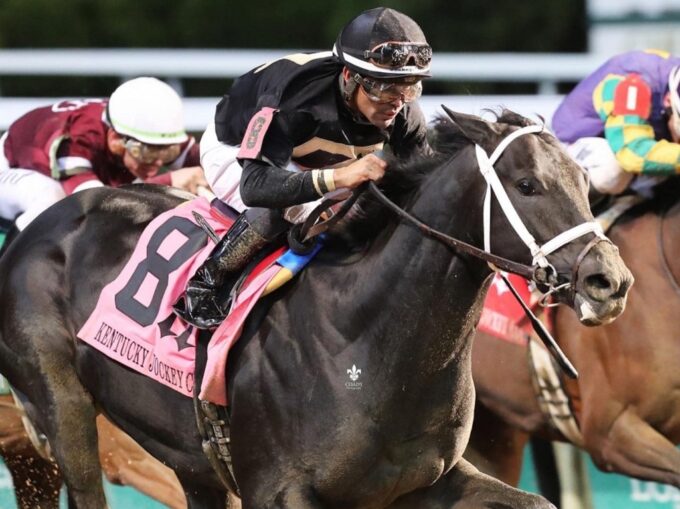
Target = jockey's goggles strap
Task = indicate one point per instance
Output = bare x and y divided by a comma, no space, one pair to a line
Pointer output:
398,54
148,154
538,253
386,92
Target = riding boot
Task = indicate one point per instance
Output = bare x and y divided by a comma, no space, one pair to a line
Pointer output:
251,231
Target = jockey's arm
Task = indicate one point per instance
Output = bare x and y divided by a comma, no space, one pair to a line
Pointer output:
264,185
189,179
268,186
629,133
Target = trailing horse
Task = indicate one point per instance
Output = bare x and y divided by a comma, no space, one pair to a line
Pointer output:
625,401
380,298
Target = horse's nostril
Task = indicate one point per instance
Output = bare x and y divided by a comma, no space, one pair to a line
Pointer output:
598,282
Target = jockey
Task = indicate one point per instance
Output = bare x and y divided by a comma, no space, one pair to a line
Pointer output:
297,128
54,151
622,123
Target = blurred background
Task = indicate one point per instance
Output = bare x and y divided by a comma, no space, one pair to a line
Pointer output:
518,53
487,52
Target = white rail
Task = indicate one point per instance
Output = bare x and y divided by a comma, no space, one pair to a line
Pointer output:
545,69
199,111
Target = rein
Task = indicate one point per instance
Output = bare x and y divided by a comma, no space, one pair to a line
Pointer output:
496,263
311,228
520,269
499,263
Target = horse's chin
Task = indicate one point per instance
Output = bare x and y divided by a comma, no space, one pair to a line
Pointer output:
592,313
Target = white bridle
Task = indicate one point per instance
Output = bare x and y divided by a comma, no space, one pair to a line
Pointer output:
539,253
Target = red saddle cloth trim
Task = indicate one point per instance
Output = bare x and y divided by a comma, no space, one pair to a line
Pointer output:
503,317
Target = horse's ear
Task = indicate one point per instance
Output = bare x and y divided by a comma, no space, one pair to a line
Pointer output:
472,127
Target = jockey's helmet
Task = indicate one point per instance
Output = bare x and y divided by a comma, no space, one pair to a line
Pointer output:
382,43
147,110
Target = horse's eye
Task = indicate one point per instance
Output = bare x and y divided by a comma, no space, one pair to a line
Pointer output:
526,187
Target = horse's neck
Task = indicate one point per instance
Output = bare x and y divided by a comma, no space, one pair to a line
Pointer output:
413,295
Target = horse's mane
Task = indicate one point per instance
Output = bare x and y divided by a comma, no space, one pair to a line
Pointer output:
404,176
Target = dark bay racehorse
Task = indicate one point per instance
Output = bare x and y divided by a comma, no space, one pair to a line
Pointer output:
381,297
626,400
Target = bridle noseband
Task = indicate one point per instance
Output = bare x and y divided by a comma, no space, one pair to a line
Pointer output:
539,253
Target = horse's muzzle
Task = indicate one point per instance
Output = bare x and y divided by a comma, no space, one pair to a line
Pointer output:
602,284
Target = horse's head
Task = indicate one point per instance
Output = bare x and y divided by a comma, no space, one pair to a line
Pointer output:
538,212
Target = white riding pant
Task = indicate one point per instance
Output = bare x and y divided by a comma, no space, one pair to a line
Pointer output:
606,174
24,194
223,173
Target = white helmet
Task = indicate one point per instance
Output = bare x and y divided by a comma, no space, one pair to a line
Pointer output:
149,111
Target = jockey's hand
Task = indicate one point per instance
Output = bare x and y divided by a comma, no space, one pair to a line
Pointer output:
189,179
370,167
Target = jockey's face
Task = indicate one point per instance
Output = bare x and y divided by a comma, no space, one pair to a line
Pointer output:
673,120
382,111
141,170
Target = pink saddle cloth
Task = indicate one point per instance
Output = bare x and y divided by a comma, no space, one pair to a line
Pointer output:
133,322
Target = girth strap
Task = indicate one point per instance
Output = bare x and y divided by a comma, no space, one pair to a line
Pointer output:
213,422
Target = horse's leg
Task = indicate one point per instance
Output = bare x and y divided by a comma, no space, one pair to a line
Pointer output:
72,433
545,468
465,487
125,462
495,447
631,446
38,358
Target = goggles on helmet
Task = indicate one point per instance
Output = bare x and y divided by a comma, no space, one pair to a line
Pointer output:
149,154
399,54
387,92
